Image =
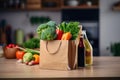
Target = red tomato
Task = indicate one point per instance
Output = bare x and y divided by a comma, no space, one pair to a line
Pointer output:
19,54
11,45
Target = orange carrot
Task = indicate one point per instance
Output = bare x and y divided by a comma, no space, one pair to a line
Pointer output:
66,36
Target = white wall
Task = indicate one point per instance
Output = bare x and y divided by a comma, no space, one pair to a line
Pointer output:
21,19
109,25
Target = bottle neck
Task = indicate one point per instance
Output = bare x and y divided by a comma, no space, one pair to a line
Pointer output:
85,36
81,43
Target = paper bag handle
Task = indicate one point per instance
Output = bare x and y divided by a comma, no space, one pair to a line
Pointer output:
56,48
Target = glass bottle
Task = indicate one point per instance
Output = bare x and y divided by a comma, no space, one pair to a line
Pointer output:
88,50
19,36
81,52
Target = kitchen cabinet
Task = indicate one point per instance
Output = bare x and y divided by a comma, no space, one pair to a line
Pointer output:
24,5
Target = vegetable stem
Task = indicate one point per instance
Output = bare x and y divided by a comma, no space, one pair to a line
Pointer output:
29,50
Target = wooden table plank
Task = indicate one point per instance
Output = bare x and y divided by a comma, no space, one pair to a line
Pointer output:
103,67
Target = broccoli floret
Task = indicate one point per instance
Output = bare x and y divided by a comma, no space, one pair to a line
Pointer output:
52,24
41,28
48,34
46,31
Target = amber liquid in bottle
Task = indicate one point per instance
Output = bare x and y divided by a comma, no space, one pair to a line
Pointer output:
88,50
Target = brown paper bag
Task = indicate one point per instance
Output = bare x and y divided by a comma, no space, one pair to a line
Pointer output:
57,54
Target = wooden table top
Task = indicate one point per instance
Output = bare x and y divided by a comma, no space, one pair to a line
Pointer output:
103,67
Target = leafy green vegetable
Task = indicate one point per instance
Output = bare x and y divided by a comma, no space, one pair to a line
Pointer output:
32,43
72,27
46,31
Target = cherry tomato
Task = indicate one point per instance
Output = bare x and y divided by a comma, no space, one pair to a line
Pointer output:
11,45
19,54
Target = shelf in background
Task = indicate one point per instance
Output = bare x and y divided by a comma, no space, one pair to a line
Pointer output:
28,9
117,8
81,7
47,5
55,8
51,9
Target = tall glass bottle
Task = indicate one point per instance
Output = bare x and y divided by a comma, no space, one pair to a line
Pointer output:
88,50
81,52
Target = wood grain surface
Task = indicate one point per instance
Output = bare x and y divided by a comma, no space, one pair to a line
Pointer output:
102,67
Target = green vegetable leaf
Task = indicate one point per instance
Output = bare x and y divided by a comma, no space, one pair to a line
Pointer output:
32,43
72,27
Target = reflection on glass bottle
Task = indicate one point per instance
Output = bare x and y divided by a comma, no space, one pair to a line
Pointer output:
88,50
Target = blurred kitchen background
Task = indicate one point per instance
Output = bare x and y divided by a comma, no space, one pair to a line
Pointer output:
100,18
